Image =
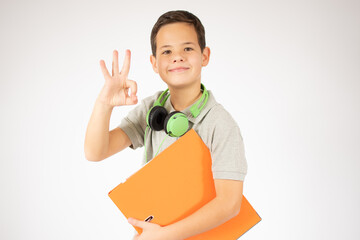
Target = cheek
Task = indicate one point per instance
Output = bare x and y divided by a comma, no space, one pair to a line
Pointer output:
162,65
195,62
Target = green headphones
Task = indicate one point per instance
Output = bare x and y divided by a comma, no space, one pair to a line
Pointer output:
175,123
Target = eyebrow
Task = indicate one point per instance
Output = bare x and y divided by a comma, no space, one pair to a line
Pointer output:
185,43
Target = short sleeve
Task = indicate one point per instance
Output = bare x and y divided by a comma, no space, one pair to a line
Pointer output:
227,148
133,127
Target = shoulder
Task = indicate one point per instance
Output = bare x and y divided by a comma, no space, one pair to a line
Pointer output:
217,124
217,116
134,123
221,125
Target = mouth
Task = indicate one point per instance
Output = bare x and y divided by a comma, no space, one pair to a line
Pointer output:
178,69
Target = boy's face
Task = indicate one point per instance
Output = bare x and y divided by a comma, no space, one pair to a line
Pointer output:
178,55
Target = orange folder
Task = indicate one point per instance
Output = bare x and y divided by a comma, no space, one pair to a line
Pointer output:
174,185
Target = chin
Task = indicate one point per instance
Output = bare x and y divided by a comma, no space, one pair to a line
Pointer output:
178,81
180,85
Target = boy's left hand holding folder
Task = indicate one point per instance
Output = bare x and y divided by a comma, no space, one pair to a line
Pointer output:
151,231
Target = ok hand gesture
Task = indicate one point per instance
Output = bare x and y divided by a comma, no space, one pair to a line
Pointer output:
116,88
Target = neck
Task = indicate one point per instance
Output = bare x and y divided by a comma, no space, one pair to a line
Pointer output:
181,98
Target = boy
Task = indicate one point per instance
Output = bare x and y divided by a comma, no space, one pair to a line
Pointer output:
178,55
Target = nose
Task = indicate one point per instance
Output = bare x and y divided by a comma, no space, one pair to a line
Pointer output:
178,57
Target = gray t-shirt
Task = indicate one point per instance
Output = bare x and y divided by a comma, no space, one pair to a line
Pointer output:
214,125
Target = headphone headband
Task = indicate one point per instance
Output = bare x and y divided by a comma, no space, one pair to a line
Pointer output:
164,95
196,109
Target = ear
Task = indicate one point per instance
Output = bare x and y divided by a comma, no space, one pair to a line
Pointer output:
205,56
153,63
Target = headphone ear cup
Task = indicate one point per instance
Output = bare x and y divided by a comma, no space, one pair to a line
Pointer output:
176,124
156,118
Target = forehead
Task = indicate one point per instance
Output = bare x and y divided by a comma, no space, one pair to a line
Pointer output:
176,33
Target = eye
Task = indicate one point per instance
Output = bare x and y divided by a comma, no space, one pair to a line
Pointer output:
187,49
166,52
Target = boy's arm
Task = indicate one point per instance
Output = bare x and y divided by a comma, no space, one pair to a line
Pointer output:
222,208
99,142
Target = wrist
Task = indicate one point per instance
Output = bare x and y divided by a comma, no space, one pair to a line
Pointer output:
171,233
101,104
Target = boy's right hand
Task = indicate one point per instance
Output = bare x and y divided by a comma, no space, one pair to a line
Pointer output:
116,88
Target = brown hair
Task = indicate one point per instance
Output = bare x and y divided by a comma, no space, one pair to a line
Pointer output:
174,17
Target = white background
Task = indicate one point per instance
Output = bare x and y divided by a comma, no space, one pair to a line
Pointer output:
288,72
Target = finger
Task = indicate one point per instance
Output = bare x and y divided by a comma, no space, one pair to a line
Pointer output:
133,89
104,69
126,65
132,85
115,69
137,223
131,100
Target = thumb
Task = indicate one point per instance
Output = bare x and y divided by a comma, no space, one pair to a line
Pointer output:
137,223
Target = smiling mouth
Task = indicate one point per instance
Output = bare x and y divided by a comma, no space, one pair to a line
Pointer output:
179,69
